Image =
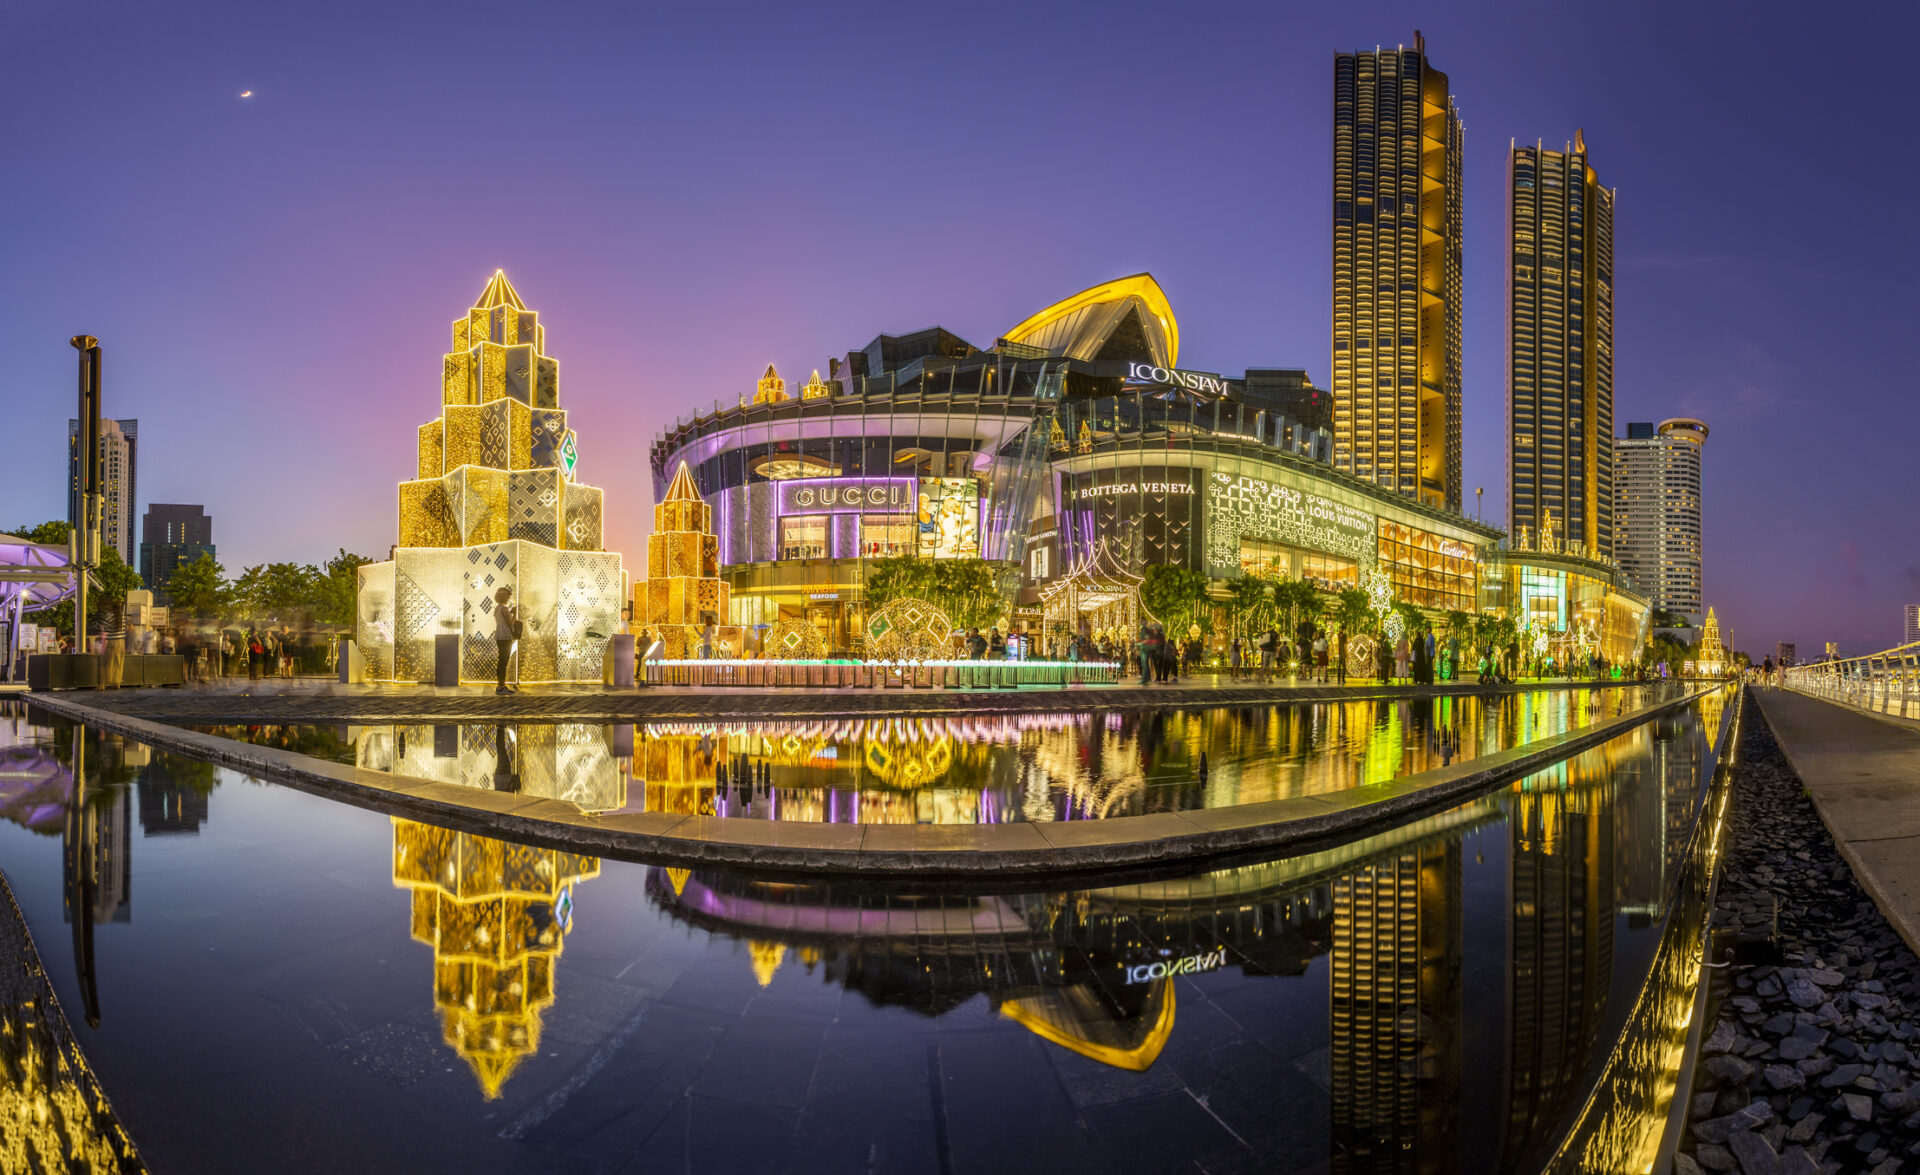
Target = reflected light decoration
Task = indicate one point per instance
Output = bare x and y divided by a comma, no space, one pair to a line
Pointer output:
494,504
486,907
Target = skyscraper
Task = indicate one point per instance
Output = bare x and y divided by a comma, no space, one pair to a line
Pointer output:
1560,348
1656,512
119,462
1396,273
171,536
1910,629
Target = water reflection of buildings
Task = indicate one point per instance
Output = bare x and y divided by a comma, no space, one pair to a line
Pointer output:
1090,971
496,915
168,805
1396,1014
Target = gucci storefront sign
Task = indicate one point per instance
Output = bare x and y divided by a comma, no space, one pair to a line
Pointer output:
842,495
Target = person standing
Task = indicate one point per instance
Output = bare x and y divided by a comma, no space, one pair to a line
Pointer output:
1766,670
996,645
114,632
1236,654
1146,649
506,630
1320,656
1402,655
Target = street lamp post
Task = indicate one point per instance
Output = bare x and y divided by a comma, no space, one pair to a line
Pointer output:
85,539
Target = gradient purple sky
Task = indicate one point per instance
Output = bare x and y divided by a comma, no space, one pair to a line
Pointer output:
687,193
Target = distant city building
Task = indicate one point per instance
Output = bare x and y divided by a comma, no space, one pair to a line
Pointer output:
119,463
1783,654
1560,348
1396,274
1656,512
1289,392
167,806
1911,629
171,536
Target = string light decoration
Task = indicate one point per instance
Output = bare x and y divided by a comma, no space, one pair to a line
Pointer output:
1711,657
683,591
494,504
908,628
1379,588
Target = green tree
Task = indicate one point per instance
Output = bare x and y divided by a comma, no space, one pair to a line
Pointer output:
967,590
338,588
199,587
52,534
1175,596
276,592
1249,602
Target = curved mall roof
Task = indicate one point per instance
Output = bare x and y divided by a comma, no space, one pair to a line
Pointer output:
1081,327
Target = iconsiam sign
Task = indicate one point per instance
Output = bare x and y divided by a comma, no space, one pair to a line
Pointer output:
494,504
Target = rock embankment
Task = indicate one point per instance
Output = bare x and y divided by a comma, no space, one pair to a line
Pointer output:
1812,1064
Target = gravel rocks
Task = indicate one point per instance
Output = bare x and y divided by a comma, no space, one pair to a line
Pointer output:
1811,1063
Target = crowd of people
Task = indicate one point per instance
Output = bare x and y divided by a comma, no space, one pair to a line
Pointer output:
207,654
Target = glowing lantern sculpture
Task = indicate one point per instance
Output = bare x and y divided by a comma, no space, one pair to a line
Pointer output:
494,505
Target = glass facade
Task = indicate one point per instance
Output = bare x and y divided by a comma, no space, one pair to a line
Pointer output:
1579,605
1428,569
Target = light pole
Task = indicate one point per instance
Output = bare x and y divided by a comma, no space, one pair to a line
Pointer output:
1477,491
85,539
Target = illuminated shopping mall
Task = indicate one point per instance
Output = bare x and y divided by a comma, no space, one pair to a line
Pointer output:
1071,453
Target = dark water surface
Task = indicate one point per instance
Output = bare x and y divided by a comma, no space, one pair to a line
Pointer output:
982,769
281,982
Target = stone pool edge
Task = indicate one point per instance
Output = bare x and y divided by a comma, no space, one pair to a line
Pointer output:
879,850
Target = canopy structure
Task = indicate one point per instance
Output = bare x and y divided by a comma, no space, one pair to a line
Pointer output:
1098,591
33,576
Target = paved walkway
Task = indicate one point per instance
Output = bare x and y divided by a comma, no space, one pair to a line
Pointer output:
1863,773
315,700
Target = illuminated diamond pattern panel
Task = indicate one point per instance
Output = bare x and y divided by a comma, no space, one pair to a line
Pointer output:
484,571
793,640
547,425
426,594
539,611
477,499
425,520
373,625
546,392
589,610
533,506
580,526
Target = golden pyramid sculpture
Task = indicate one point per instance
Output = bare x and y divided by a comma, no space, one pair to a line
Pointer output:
494,503
1710,656
683,591
491,912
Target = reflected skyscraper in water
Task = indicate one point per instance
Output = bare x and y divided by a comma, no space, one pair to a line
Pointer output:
168,805
1395,1003
496,915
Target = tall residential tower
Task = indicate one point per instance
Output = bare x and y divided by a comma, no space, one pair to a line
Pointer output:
1560,348
1656,512
119,467
1396,274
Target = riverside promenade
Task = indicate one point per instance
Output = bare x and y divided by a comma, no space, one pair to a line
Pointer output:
1863,773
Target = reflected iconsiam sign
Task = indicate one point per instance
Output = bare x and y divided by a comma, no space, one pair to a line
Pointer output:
847,495
1253,507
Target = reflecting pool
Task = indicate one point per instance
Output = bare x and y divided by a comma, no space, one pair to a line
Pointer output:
968,769
268,980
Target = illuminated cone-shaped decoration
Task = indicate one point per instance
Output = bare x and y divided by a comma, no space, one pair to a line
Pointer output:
683,592
494,504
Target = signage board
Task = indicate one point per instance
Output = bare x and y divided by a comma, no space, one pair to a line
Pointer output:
1198,964
949,518
1203,382
1133,487
569,455
846,495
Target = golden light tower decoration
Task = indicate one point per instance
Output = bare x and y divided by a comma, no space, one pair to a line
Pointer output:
1711,656
683,591
496,915
494,504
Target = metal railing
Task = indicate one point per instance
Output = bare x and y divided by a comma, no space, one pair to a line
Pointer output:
1886,682
963,675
